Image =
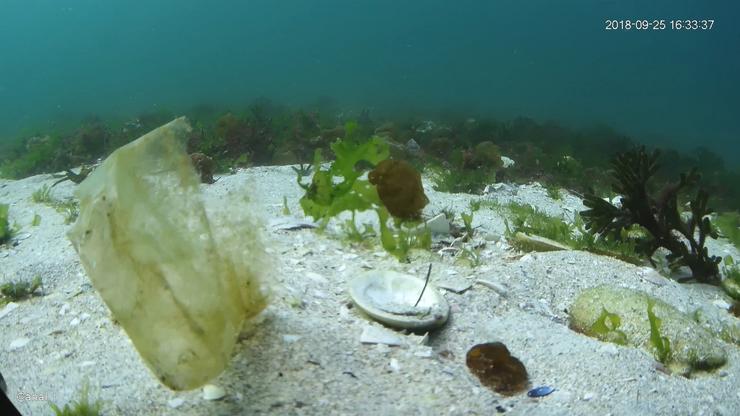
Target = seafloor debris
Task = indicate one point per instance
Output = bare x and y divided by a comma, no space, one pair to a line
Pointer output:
497,369
180,282
540,391
394,299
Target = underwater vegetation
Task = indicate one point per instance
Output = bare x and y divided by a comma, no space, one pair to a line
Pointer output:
533,222
22,289
69,207
461,154
5,232
393,188
728,224
82,406
659,215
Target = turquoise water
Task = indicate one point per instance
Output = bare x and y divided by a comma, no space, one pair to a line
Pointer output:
62,60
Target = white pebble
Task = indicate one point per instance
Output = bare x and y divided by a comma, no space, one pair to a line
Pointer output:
394,366
18,343
213,392
74,322
289,338
8,309
175,403
64,309
377,335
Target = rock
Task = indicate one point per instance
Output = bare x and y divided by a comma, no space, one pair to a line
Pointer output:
175,403
538,243
10,307
495,286
438,224
18,343
170,274
692,346
507,162
213,392
412,147
377,335
394,366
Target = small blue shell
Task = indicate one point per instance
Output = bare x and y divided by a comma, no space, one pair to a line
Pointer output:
540,391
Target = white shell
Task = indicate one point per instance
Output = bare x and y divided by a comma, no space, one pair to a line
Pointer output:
213,392
389,297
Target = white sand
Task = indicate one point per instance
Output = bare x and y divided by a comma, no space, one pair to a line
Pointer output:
304,355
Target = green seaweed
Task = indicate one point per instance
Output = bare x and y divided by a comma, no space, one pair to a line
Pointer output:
21,289
82,406
326,198
468,223
728,224
36,220
606,328
42,195
661,344
399,240
5,231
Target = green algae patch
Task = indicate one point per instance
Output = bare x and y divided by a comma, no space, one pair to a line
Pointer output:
682,345
181,281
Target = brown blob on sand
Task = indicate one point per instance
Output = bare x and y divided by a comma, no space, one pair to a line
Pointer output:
497,369
399,187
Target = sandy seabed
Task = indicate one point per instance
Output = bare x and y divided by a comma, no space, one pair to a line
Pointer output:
303,355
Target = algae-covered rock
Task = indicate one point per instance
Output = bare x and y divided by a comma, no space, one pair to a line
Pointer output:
692,347
181,284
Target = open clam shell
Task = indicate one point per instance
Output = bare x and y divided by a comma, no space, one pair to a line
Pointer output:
389,298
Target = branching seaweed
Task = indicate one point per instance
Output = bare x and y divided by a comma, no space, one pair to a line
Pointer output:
660,217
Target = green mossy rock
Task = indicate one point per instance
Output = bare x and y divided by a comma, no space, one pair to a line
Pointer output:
180,283
692,347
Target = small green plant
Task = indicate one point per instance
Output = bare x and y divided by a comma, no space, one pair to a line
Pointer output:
607,328
355,234
731,282
69,208
5,231
475,205
449,214
470,256
81,406
553,191
529,220
20,290
400,239
728,224
286,210
468,223
36,220
661,344
42,195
